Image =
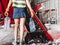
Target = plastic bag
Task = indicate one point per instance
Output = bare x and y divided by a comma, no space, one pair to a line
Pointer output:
32,25
7,23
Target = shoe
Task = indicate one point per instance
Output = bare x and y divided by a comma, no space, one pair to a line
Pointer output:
21,44
33,44
14,42
31,41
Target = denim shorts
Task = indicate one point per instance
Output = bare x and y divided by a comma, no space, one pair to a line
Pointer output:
20,13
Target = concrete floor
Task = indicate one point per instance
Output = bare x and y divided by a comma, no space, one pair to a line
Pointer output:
6,36
55,30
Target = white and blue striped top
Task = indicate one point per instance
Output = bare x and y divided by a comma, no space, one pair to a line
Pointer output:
19,3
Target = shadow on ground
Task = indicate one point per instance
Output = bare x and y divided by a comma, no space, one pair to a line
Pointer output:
9,43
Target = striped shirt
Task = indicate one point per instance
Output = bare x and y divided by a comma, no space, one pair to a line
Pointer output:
19,3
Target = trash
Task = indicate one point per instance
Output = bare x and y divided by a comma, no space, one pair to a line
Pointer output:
6,23
32,25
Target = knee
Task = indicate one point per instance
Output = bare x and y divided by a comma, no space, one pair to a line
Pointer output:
21,25
16,25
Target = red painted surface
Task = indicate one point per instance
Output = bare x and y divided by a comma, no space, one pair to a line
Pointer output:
37,7
5,3
0,8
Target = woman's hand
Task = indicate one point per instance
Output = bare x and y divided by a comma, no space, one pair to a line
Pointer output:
6,12
30,8
32,13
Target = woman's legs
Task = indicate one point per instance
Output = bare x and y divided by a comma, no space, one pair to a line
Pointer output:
22,22
16,29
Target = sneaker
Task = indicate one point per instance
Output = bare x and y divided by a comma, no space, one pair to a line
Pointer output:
14,42
33,44
31,41
21,44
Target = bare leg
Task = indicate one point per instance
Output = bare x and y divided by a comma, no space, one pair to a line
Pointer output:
16,29
22,22
25,33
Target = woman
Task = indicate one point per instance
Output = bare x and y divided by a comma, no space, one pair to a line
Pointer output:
20,12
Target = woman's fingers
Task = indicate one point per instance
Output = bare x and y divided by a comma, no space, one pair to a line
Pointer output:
6,13
32,13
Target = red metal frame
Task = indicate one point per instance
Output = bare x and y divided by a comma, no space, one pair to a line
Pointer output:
40,23
43,27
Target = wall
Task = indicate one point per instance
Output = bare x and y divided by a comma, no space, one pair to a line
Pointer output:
53,4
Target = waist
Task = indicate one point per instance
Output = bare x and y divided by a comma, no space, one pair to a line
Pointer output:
19,6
